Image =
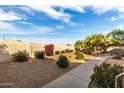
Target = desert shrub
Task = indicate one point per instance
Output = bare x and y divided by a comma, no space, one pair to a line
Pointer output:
71,50
62,62
87,50
68,50
49,49
76,52
21,56
62,51
57,52
39,54
104,75
80,56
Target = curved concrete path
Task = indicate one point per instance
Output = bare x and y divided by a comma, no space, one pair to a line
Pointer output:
78,77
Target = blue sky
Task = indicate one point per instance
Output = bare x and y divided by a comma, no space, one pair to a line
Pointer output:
58,24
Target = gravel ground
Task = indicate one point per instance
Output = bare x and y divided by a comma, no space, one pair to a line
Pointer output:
30,74
35,73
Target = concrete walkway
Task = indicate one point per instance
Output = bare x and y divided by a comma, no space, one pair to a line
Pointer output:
78,77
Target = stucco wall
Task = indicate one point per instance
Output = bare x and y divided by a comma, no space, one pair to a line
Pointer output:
14,45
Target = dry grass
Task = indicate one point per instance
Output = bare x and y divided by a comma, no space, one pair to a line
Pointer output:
34,73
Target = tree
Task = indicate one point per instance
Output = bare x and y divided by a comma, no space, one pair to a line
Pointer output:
97,40
100,42
87,45
116,37
78,45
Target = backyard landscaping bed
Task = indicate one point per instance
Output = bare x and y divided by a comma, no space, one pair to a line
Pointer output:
71,56
34,73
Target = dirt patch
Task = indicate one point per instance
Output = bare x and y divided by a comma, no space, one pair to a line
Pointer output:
34,73
71,57
30,74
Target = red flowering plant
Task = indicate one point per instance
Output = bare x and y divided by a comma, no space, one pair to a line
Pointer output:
49,49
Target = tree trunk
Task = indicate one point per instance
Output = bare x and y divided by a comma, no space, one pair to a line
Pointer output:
97,49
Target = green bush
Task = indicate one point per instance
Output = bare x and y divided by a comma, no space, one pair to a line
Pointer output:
80,56
104,75
62,51
57,52
76,52
21,56
62,62
68,50
39,54
71,50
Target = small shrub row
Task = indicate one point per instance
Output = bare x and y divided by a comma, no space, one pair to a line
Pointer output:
63,51
68,50
57,52
22,56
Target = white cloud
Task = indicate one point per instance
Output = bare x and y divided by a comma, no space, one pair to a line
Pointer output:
49,11
58,15
121,26
9,16
5,25
100,9
24,22
72,24
9,28
27,9
40,29
113,18
105,8
78,8
59,27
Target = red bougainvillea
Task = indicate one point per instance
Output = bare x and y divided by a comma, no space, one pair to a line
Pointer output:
48,49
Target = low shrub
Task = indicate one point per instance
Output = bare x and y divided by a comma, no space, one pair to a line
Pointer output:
62,62
80,56
68,50
21,56
57,52
39,54
49,49
62,51
76,52
71,50
104,75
